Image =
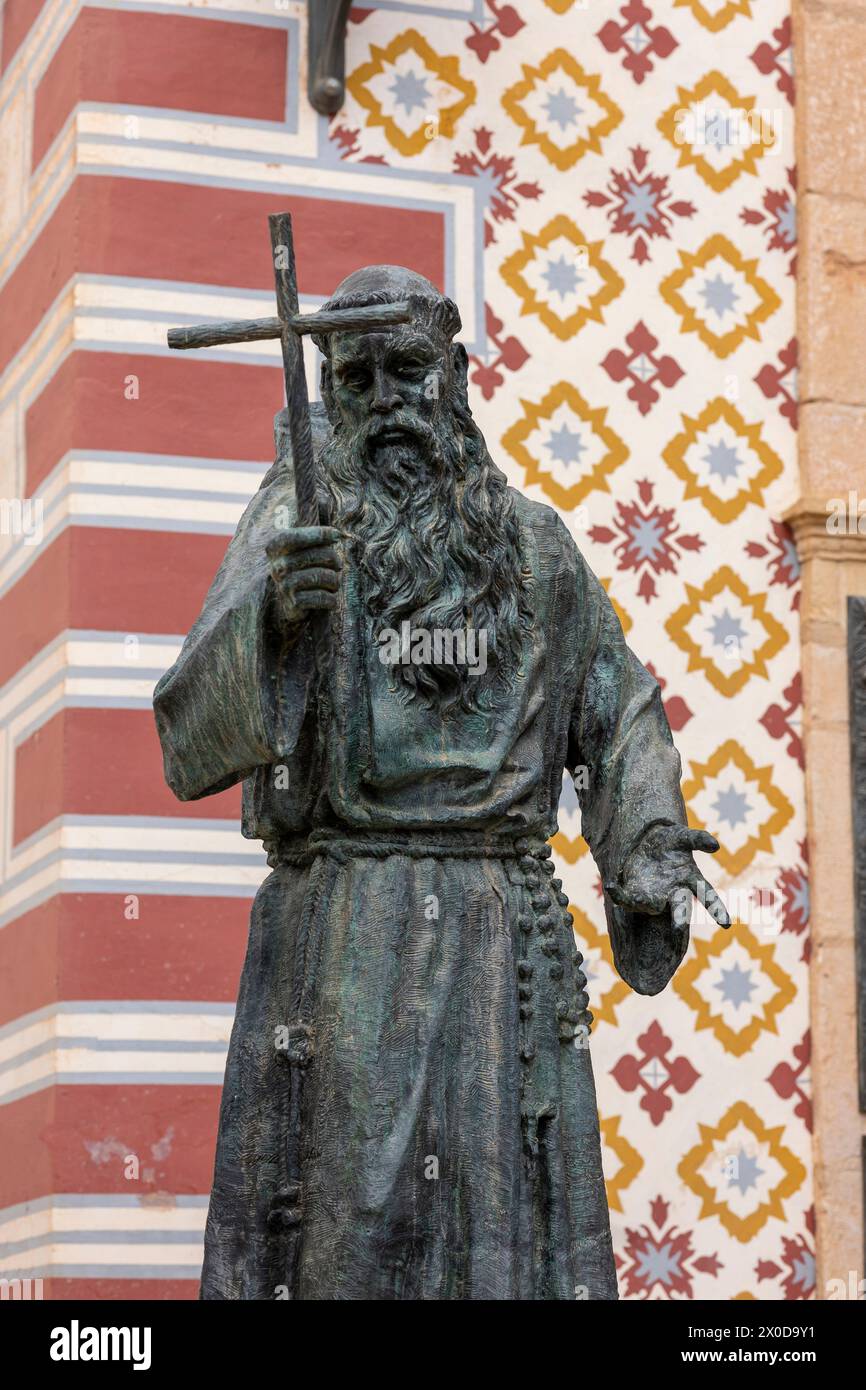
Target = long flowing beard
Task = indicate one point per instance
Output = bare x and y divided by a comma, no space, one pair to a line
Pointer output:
438,546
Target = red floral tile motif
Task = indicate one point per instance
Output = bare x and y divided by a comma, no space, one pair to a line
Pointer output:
348,142
778,57
638,39
779,720
781,381
783,562
510,354
646,539
642,368
778,218
655,1072
662,1261
498,172
638,204
506,23
796,1264
676,709
793,885
787,1080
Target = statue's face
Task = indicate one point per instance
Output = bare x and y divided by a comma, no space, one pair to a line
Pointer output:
378,377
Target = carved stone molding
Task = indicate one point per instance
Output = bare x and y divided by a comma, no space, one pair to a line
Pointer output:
808,518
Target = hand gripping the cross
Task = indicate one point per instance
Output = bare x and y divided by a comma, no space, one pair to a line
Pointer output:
304,561
305,564
661,873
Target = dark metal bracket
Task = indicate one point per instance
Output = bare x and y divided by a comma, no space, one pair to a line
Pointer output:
326,54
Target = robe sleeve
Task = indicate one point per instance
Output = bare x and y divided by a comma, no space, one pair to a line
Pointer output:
627,777
235,698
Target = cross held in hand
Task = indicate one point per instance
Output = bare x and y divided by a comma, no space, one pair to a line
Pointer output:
289,326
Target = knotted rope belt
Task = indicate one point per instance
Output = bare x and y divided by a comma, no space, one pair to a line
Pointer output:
300,851
529,861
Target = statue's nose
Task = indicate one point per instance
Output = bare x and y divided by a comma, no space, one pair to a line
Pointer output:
385,397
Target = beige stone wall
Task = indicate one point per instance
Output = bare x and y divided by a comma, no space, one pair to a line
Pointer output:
831,120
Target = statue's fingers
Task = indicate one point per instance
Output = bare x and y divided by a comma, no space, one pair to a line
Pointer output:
288,569
314,598
617,894
683,837
300,537
304,580
706,842
314,557
633,901
709,898
680,903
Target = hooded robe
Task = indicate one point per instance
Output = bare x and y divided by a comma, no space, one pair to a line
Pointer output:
409,1109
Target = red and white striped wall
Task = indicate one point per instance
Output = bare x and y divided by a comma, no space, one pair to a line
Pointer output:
141,148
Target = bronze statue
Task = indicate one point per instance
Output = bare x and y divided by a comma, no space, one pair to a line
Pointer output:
409,1109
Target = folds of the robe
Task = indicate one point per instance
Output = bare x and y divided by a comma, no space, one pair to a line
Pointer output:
441,1156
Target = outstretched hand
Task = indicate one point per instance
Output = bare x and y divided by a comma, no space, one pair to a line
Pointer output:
661,872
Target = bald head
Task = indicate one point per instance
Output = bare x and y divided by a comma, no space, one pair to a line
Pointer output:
395,281
391,284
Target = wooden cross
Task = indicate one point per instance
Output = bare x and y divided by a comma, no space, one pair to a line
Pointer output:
289,326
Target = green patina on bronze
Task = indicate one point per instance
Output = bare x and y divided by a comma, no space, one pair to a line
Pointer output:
409,1109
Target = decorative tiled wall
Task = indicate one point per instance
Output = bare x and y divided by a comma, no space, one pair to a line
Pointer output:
607,192
635,367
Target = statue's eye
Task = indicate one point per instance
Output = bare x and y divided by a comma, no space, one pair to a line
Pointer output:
411,367
356,380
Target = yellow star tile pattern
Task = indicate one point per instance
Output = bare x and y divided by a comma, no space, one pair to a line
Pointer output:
544,104
587,432
726,632
731,776
405,77
722,1169
607,191
549,275
725,1004
707,126
722,323
705,456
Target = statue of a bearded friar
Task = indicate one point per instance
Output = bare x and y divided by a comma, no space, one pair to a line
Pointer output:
409,1109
